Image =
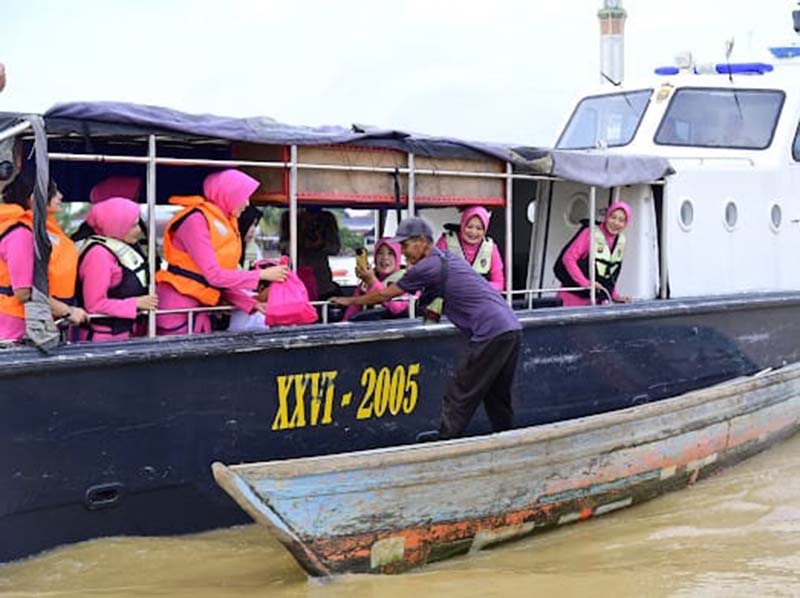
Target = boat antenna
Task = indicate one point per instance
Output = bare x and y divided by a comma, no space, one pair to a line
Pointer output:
728,51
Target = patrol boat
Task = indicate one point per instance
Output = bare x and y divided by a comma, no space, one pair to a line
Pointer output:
98,440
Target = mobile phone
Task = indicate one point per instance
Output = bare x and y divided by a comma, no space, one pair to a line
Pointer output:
361,258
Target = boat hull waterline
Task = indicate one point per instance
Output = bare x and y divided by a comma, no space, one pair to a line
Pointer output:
389,510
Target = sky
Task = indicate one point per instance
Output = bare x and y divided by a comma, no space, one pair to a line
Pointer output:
507,70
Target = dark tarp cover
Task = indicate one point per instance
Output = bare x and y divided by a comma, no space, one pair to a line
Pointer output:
598,168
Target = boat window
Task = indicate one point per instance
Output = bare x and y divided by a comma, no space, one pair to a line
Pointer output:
728,118
775,217
607,120
796,145
687,215
731,215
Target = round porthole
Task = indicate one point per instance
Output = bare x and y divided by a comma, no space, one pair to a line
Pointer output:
531,211
687,214
578,209
775,217
731,215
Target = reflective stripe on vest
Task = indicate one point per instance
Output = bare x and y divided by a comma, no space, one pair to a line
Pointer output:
127,256
608,263
184,274
483,258
62,269
393,277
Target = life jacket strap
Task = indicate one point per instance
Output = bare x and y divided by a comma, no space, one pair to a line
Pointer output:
7,291
188,274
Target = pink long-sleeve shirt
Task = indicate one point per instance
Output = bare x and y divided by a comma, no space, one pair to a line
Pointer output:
99,272
394,307
16,250
578,250
497,277
193,237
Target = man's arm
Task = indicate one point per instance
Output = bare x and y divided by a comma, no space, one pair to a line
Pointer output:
371,298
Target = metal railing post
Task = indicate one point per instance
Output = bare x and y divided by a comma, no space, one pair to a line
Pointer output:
509,232
293,208
412,191
151,229
592,226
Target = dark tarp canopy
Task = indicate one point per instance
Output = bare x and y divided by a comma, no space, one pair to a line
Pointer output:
118,119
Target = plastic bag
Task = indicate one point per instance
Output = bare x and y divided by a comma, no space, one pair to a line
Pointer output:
287,303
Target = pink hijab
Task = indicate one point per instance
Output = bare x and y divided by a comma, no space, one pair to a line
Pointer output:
229,189
482,213
116,186
393,247
113,217
618,205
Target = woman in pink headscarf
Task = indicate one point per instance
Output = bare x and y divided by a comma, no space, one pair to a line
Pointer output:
471,243
387,270
112,273
115,186
572,266
202,247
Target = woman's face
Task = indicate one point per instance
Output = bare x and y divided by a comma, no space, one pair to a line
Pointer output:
133,234
251,233
616,221
54,205
385,262
238,211
474,231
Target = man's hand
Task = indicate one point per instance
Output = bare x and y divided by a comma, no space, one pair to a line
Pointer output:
343,301
2,76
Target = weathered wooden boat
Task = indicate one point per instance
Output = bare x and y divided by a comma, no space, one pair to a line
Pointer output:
116,439
388,510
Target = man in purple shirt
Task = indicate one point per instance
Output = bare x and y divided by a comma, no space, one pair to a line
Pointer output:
485,372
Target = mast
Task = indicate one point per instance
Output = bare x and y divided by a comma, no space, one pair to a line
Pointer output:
612,41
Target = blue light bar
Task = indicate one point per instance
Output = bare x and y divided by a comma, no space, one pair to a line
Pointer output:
744,68
667,70
785,51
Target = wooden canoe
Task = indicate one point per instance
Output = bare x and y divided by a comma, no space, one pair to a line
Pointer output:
388,510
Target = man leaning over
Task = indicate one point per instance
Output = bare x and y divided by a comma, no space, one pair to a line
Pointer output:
485,371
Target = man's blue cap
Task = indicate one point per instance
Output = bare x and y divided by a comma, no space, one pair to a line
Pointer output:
413,227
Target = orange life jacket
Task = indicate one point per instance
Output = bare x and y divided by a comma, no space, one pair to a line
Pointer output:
62,269
182,272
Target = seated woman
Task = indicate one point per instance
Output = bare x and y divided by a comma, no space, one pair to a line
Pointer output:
317,240
387,270
202,247
248,226
112,273
572,266
17,258
471,243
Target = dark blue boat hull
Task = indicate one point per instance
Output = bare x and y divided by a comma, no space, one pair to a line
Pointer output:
117,439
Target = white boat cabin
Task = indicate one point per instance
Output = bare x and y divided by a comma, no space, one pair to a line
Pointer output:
728,220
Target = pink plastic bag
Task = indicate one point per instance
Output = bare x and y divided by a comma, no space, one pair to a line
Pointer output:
287,303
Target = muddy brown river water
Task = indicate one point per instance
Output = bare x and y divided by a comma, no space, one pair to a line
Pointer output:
736,534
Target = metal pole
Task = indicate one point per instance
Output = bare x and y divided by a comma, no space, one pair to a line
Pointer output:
15,130
293,208
592,273
664,245
509,233
151,228
412,185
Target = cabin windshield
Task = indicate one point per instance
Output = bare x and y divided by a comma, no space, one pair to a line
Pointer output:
727,118
607,120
